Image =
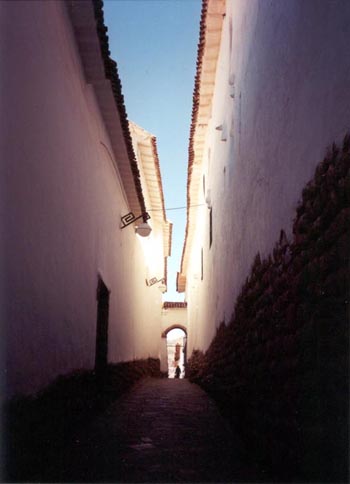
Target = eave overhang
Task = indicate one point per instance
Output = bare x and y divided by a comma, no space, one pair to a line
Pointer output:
101,71
212,16
149,161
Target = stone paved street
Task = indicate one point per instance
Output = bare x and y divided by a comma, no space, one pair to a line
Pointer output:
162,430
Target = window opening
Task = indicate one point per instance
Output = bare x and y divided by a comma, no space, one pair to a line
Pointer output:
210,226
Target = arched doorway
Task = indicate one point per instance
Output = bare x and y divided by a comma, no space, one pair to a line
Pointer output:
176,338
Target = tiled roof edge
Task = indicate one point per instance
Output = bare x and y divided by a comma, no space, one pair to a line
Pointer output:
159,176
171,237
166,257
111,72
195,107
179,305
166,271
160,184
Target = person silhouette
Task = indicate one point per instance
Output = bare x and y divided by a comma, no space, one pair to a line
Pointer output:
177,372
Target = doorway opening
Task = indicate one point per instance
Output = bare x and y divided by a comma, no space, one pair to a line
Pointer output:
102,327
176,351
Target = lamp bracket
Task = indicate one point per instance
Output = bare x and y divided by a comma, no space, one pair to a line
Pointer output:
154,280
130,218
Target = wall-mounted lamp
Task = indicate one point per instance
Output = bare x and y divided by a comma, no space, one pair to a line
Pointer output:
154,280
143,229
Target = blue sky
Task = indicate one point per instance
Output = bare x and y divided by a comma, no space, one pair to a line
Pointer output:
154,43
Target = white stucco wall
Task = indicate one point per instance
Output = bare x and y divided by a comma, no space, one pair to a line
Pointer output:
174,316
61,205
289,63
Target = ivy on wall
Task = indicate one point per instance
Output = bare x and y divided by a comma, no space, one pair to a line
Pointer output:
279,370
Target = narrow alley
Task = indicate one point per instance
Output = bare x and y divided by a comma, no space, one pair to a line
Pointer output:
162,430
212,346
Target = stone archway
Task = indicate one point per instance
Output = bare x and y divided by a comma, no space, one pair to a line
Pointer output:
174,326
174,316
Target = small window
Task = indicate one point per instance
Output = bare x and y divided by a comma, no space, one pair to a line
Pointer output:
210,227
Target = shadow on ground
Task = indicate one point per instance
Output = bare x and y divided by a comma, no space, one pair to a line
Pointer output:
37,430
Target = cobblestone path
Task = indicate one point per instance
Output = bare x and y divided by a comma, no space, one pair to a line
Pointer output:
162,430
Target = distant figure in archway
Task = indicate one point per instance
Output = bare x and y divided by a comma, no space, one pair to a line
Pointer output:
177,372
176,350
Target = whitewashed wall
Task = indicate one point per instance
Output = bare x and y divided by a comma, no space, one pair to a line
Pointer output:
174,316
287,63
61,205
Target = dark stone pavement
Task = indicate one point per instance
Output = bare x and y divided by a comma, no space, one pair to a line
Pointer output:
162,430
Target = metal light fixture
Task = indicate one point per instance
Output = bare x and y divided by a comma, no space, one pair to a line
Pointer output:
154,280
162,288
144,229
